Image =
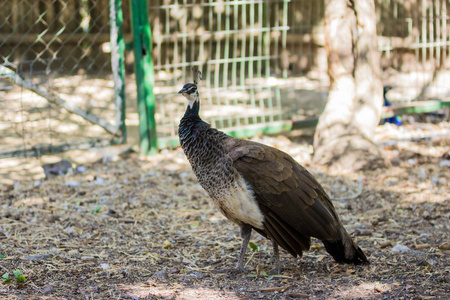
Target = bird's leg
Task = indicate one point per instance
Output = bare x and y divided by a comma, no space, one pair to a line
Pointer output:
246,232
276,255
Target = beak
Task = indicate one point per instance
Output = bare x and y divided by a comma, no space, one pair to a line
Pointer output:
183,90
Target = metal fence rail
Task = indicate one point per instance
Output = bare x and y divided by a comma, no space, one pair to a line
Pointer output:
57,86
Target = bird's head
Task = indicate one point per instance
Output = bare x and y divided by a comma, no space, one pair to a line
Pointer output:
190,91
387,88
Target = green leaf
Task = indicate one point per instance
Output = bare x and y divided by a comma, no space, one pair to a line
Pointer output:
253,246
20,278
96,210
252,275
16,273
270,277
5,277
1,256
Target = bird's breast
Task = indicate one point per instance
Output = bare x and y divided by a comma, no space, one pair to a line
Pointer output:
216,174
236,201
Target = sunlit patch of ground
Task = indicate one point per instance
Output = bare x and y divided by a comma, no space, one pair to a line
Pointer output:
155,290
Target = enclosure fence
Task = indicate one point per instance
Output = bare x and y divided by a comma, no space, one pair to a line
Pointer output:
58,88
238,45
263,61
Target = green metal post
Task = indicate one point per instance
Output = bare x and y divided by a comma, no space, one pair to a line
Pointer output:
143,66
118,64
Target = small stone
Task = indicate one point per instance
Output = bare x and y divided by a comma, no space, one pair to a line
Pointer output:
167,244
88,258
70,230
400,248
105,266
422,173
435,180
423,263
426,215
48,289
412,162
197,275
184,175
39,257
62,167
444,163
53,218
81,169
72,183
161,275
73,252
112,213
187,261
110,158
99,180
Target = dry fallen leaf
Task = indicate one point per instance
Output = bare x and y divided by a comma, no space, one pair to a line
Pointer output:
445,246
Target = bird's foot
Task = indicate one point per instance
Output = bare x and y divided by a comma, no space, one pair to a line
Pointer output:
240,268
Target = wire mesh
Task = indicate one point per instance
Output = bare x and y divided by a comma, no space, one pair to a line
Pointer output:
57,46
415,45
265,61
238,46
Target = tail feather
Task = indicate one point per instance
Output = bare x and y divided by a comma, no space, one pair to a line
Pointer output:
346,251
284,235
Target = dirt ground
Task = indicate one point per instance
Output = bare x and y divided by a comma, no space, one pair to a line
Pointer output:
134,227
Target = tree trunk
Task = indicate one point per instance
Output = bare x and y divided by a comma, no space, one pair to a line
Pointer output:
344,134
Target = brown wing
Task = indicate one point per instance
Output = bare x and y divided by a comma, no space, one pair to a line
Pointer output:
290,198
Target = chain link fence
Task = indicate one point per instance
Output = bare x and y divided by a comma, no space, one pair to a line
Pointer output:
57,87
263,61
